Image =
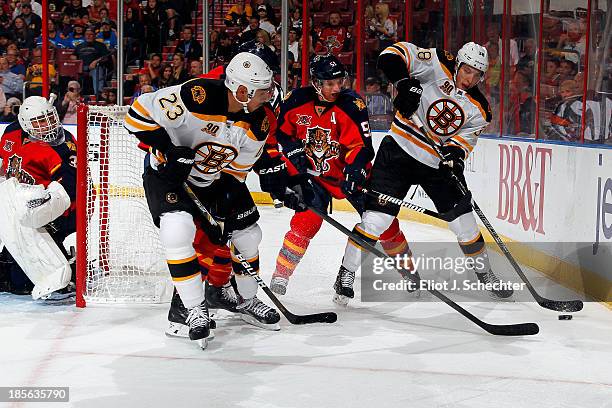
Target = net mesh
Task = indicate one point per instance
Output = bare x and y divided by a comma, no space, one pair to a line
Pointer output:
125,262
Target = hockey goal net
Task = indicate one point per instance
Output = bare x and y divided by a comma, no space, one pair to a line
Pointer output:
119,256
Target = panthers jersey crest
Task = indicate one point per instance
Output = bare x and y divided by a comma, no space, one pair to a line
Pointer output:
319,147
14,170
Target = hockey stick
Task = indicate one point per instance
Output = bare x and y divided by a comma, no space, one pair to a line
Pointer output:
326,317
520,329
557,305
384,197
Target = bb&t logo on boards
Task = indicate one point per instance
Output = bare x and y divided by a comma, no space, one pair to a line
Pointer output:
522,176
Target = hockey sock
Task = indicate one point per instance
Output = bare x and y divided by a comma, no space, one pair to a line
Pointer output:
395,245
215,260
476,250
187,280
304,226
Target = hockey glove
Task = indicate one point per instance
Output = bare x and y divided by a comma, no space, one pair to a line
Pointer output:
453,161
300,193
354,177
296,155
273,176
178,164
408,97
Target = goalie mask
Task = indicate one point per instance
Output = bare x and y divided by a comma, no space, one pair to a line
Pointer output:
250,71
475,56
39,119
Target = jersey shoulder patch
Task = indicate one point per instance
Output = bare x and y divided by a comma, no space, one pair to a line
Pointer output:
260,122
205,96
481,102
352,104
447,60
298,97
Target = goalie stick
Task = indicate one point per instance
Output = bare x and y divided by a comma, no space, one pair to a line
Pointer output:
325,317
520,329
557,305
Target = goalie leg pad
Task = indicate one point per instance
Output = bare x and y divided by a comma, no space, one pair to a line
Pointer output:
33,249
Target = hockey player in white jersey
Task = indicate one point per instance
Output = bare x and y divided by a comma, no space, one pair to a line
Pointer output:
208,133
442,92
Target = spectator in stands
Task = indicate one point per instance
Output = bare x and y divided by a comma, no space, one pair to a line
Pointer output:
134,35
5,20
11,109
77,37
165,79
154,66
249,33
22,35
378,103
334,38
171,21
262,37
11,83
94,10
384,28
147,89
294,44
75,9
264,21
4,42
34,6
195,69
54,36
95,57
110,97
521,112
153,17
2,100
493,36
179,74
33,21
493,74
16,64
238,15
296,19
550,76
65,26
34,73
105,16
574,40
224,51
143,80
106,35
68,107
189,46
567,70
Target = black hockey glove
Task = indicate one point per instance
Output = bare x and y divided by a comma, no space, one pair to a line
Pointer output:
273,176
179,161
354,177
296,155
453,161
408,97
300,193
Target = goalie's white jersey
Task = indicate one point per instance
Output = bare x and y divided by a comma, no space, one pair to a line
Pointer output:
195,115
452,115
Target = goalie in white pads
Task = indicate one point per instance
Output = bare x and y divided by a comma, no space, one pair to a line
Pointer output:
208,133
37,199
442,92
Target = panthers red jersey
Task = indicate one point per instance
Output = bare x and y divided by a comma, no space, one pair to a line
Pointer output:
332,40
334,135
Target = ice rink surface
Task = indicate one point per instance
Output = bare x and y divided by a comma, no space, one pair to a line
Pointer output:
414,354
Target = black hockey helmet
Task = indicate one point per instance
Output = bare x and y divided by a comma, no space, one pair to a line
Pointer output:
262,51
324,67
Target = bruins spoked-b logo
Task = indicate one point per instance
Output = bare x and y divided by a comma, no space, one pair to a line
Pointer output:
445,117
319,147
212,157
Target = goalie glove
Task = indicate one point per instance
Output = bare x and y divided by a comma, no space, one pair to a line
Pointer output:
39,206
178,163
452,161
408,96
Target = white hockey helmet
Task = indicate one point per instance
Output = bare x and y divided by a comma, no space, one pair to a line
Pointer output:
474,55
39,118
250,71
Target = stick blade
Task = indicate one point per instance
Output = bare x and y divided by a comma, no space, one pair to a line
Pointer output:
326,317
521,329
562,305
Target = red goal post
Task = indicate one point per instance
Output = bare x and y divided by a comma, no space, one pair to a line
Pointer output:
119,256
